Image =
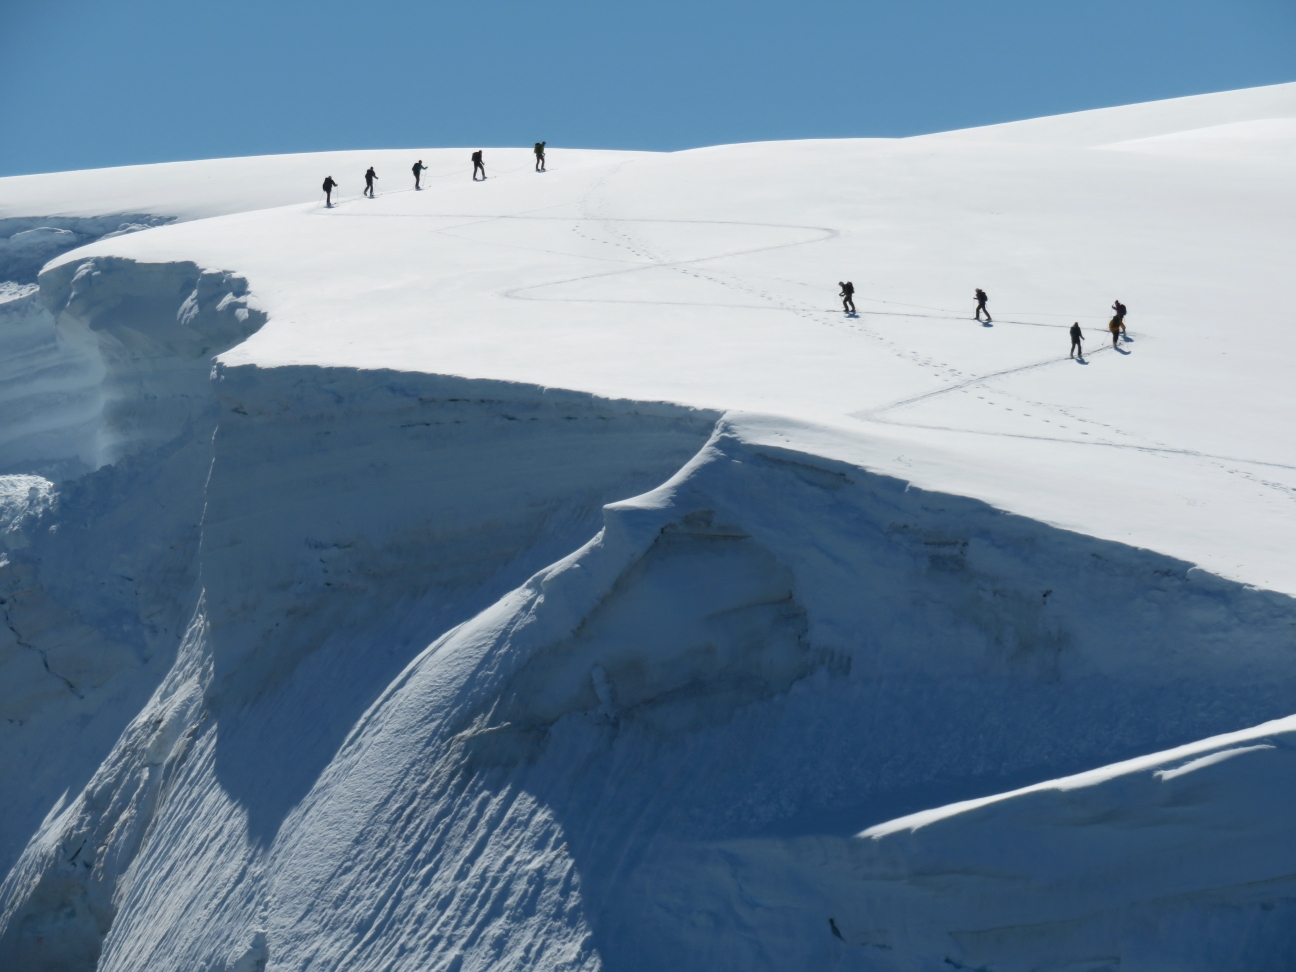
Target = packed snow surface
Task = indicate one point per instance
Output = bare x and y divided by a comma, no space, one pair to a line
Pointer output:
545,573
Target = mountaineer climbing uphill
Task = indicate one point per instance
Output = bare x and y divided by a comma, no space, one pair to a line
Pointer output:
329,186
1076,337
1115,325
478,165
370,176
981,298
539,154
1120,311
418,170
847,295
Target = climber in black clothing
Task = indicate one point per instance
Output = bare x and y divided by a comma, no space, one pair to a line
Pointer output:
981,299
419,169
370,176
847,295
539,152
1121,311
329,186
1076,338
478,164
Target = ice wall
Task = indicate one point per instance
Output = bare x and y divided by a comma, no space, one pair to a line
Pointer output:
330,668
347,518
657,749
50,399
97,557
27,243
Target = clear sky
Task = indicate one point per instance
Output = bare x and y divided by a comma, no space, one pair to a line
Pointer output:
87,83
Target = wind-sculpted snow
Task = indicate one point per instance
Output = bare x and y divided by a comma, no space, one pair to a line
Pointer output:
615,763
349,518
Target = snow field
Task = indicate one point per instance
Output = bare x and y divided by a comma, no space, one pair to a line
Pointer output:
311,661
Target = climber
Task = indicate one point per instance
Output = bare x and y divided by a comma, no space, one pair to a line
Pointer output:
329,186
539,153
1115,326
478,164
1121,311
847,295
981,299
419,169
1076,338
370,176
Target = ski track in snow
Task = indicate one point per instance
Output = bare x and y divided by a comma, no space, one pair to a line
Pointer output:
941,370
618,235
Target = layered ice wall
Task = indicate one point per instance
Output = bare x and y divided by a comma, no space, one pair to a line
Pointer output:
110,415
50,397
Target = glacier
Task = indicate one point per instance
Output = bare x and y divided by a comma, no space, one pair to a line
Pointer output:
544,574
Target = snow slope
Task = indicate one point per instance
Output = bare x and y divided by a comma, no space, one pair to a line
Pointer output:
543,573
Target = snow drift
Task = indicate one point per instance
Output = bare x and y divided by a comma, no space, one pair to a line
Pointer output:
356,618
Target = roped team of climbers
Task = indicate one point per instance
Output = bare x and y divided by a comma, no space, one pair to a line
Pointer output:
1116,325
847,294
478,175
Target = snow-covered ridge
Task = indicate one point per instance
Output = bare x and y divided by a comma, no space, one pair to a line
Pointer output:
543,574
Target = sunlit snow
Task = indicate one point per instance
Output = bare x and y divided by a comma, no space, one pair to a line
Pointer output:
545,573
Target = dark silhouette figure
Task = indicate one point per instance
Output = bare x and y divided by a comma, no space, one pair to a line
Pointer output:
478,165
1076,338
370,176
539,151
1121,311
329,186
418,170
847,295
981,299
835,930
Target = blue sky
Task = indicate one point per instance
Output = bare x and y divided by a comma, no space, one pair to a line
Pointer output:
89,83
